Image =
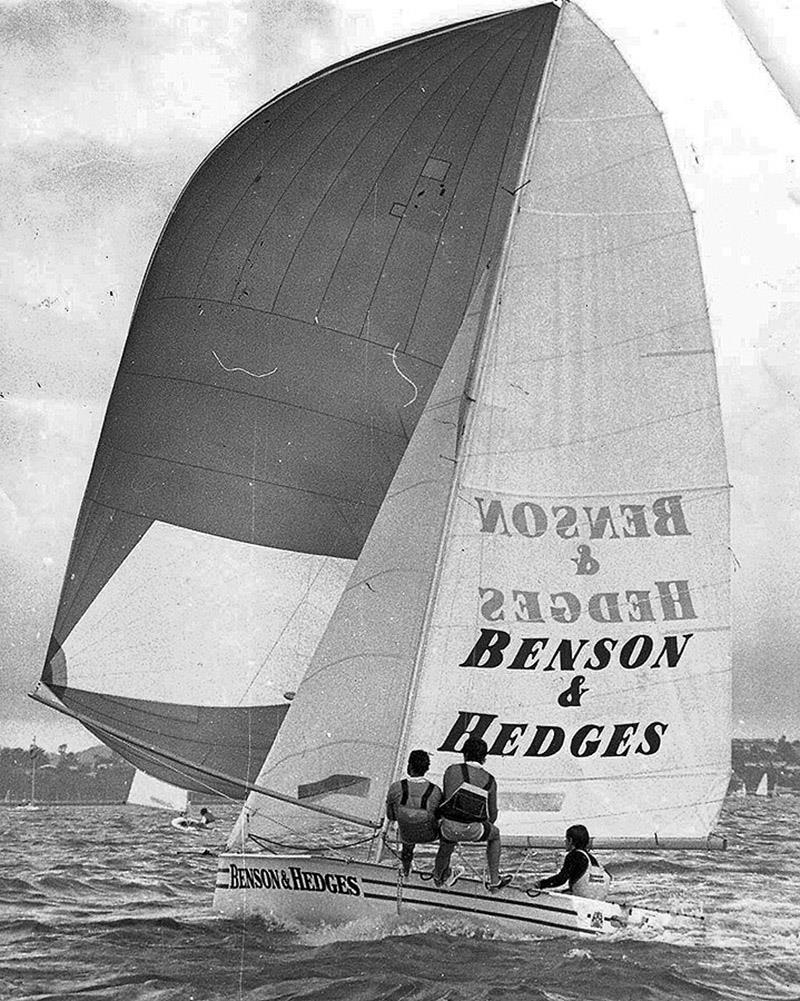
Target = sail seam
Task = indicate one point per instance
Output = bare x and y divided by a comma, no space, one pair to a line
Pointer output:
603,118
500,82
607,215
223,472
378,120
499,190
293,319
570,179
713,487
616,433
352,61
261,135
366,322
617,248
241,278
346,241
288,404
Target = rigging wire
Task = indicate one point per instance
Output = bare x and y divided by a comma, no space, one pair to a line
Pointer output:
269,843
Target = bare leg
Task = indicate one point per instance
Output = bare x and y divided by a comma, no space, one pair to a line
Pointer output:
407,856
442,863
493,855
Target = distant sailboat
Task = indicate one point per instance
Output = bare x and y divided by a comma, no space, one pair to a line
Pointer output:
422,372
762,789
146,790
31,804
736,786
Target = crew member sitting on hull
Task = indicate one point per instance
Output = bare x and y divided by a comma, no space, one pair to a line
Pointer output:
413,802
468,813
581,871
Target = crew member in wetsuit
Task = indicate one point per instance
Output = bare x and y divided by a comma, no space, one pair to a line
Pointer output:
413,802
581,871
468,813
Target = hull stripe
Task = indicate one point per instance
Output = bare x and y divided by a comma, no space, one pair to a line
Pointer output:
480,910
461,893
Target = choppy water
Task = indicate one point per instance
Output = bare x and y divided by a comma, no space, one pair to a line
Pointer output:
112,903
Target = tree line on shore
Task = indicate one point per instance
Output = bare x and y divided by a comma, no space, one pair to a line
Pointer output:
96,775
100,775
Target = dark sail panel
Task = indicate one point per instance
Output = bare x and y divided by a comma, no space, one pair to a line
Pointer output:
230,740
295,315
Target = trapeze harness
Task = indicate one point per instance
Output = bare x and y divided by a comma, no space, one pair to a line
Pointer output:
465,814
414,820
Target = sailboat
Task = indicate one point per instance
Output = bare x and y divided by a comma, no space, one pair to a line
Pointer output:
31,804
146,790
548,570
419,402
736,787
762,789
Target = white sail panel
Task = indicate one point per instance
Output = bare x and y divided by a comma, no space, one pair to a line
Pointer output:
146,790
339,743
184,607
581,620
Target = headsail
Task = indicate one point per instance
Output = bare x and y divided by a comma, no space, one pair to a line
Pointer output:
576,614
295,316
582,626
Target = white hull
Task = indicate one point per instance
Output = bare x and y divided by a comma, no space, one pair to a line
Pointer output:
308,891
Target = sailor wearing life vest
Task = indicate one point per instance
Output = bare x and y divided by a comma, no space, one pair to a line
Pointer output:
468,813
413,802
581,871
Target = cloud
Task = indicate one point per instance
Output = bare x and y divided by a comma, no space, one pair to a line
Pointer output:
137,73
46,448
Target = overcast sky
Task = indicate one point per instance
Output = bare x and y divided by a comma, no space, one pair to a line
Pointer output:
107,109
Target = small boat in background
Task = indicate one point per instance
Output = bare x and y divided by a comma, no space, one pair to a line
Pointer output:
146,790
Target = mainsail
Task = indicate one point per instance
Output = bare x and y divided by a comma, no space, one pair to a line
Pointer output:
551,573
295,316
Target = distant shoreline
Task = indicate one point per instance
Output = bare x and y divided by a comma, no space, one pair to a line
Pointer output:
99,776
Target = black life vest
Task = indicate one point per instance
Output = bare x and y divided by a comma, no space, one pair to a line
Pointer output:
469,802
415,822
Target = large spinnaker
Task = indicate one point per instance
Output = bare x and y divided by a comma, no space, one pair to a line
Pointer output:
574,610
295,316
